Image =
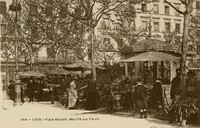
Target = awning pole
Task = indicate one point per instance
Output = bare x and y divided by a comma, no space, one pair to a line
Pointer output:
126,69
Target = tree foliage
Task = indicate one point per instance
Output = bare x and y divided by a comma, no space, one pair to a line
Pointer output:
9,39
125,32
89,12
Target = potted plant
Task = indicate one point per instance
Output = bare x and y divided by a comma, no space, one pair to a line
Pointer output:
184,107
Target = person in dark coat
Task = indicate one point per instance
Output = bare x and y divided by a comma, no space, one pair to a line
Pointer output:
53,93
30,86
92,96
39,91
22,93
141,98
11,88
176,85
128,97
175,90
157,95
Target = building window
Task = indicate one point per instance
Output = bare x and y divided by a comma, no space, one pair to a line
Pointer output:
190,48
167,26
198,49
107,46
177,27
156,26
50,52
167,10
155,9
2,7
144,7
175,12
198,5
144,25
2,29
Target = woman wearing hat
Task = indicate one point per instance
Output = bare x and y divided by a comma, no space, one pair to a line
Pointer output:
72,95
157,95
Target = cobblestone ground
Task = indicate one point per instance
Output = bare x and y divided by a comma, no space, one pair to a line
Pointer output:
46,115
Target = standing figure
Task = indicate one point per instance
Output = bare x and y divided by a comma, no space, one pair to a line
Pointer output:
92,96
176,84
65,95
30,86
128,99
141,98
39,91
11,88
52,94
175,90
157,95
22,93
63,86
72,96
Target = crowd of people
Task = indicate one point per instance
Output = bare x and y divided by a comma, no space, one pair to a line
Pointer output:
42,90
134,95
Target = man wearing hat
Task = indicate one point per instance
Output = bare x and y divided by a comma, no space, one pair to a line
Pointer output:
11,88
175,90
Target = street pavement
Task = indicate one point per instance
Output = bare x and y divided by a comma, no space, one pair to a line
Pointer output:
47,115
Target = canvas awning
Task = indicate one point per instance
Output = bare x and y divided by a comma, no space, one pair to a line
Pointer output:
151,56
60,71
80,66
31,73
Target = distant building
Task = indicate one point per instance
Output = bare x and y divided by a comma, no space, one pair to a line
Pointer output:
159,18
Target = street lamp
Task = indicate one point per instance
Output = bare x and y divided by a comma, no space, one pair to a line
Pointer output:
16,7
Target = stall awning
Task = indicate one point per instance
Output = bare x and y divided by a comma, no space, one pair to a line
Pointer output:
151,56
80,66
31,73
59,71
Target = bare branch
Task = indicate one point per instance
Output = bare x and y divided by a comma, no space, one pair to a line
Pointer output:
181,12
183,2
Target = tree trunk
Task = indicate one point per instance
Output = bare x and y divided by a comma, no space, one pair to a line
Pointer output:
31,55
54,56
184,49
6,74
93,58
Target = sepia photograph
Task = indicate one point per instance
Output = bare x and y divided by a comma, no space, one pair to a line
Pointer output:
100,63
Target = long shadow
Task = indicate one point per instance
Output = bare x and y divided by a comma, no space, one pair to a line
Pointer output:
150,119
103,112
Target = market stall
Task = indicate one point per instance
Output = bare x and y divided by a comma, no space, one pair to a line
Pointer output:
154,65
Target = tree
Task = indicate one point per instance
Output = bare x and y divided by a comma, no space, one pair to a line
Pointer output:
194,31
50,26
186,13
173,41
125,33
86,13
8,41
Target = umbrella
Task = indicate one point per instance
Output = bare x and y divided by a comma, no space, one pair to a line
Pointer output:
31,73
60,71
152,56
